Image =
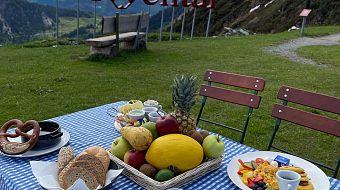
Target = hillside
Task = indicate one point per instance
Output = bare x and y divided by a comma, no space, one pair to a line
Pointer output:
63,81
271,16
104,7
21,20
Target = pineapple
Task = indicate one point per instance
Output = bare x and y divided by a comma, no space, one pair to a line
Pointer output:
183,99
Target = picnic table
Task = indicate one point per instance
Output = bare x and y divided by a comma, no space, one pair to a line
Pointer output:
95,127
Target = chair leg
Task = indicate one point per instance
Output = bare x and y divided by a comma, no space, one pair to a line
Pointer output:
250,111
276,128
201,110
337,169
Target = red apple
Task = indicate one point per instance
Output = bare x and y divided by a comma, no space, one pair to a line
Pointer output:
167,125
134,158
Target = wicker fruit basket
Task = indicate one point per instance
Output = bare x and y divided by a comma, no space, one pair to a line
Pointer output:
177,181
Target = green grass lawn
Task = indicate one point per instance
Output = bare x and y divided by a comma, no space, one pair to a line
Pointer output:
41,83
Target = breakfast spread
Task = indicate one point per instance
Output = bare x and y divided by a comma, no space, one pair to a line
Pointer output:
171,145
15,148
260,174
91,166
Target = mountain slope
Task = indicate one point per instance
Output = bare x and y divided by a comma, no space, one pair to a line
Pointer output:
21,20
271,16
104,7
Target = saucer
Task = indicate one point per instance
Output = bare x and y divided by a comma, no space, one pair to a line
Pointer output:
64,140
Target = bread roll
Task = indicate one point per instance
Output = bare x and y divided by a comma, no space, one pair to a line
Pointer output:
101,154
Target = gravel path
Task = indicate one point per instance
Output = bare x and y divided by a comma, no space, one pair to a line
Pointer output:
289,49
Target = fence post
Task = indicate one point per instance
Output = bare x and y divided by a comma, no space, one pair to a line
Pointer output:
57,22
193,25
147,28
172,22
161,29
95,18
303,25
183,22
78,23
208,25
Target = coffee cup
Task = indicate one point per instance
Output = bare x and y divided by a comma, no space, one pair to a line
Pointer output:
288,180
154,116
148,110
135,115
152,103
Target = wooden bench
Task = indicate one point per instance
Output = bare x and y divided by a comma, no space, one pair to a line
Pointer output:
120,31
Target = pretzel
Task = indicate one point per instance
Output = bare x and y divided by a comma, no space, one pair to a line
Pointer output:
14,148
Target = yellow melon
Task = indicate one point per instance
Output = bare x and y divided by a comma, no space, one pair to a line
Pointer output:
177,150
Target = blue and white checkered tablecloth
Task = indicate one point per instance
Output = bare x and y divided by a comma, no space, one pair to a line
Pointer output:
94,127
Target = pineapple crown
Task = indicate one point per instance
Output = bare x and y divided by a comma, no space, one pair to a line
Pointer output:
184,92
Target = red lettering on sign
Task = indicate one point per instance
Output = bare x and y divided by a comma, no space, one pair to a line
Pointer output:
211,4
185,3
150,2
123,6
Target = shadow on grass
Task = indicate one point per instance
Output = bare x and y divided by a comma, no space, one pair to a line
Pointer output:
122,56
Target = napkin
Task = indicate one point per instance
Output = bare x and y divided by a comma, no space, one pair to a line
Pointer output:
47,176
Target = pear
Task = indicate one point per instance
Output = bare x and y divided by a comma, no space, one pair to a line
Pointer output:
139,138
151,126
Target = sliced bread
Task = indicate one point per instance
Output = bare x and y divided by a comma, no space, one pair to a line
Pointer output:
65,156
92,165
69,175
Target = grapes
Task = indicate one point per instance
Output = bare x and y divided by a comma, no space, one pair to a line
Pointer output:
261,183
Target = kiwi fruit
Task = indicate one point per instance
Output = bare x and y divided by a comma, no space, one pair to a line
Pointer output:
148,170
204,133
164,175
175,170
197,136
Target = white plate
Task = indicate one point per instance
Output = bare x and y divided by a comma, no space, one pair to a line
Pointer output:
64,140
316,175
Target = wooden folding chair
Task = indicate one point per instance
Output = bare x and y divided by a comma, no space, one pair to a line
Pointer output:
306,119
250,100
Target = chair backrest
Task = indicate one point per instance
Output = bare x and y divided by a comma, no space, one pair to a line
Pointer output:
307,119
250,100
127,23
233,96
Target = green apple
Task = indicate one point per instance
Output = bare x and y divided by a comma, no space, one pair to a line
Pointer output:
151,126
213,146
119,147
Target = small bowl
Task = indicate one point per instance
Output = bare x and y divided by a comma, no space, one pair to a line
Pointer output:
149,110
135,115
50,135
151,103
154,116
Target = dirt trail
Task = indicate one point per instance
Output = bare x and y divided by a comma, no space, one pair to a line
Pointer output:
289,49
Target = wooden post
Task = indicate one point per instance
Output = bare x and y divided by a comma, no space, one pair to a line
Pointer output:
117,32
136,44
